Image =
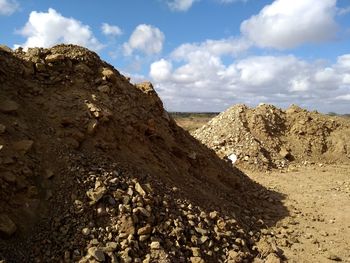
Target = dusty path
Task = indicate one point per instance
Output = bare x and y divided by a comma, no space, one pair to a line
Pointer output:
318,200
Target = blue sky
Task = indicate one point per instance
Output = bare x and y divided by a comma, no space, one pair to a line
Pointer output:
204,55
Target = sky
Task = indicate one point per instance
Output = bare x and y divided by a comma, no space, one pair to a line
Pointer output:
204,55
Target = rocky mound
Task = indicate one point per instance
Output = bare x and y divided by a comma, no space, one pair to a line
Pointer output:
267,137
92,169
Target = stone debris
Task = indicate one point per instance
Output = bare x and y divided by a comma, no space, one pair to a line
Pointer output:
93,169
2,128
23,146
267,137
7,226
8,106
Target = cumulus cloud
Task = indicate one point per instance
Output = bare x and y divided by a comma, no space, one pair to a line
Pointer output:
287,24
229,46
161,70
203,82
180,5
45,29
8,7
145,38
111,30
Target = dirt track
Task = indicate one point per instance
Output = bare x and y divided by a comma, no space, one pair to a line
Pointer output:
318,200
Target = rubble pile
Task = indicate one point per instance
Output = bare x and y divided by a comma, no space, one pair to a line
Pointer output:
93,169
266,137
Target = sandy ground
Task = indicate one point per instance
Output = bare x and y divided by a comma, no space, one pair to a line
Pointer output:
317,228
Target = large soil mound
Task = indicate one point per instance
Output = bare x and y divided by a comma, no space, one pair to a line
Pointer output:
267,137
92,169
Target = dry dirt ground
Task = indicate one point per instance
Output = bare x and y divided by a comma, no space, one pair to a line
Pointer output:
318,200
191,123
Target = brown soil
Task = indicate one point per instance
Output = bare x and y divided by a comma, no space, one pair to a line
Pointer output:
93,169
267,137
318,201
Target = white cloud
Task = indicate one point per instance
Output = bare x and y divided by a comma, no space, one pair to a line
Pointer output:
287,24
161,70
180,5
344,97
8,7
202,81
45,29
343,11
111,30
145,38
344,61
229,46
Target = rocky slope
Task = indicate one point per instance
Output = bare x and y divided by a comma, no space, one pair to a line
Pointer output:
92,169
266,137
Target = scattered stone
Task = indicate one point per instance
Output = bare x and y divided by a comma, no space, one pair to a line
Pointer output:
8,176
334,257
97,254
48,174
146,230
8,106
2,128
40,67
111,246
109,75
192,155
96,194
104,89
196,252
7,226
54,58
23,146
139,189
196,260
92,126
155,245
265,248
127,225
86,231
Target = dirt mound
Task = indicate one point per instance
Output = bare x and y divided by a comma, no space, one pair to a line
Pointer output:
267,137
92,169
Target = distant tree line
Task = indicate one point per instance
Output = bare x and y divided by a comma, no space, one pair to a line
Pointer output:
347,115
193,114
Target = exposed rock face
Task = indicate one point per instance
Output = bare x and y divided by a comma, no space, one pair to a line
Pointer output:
267,137
92,174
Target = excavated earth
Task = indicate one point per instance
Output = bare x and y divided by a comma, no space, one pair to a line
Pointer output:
267,137
93,169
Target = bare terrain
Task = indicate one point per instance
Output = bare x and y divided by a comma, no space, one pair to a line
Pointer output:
317,228
317,198
192,121
93,169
